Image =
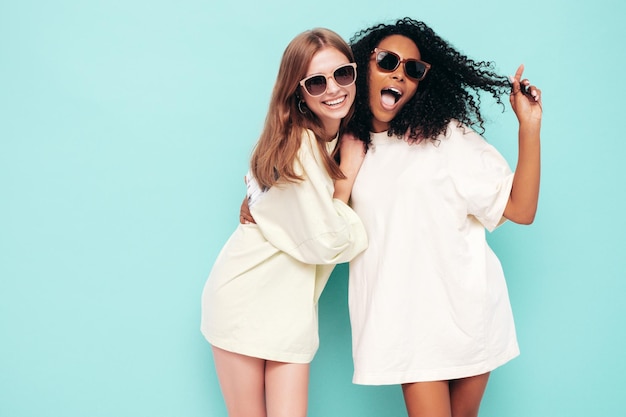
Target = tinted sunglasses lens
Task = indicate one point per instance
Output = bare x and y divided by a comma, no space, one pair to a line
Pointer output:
344,76
415,69
316,85
387,61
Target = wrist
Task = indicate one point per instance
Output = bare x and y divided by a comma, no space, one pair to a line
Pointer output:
530,128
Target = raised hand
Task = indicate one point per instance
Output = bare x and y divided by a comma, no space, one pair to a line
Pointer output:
525,98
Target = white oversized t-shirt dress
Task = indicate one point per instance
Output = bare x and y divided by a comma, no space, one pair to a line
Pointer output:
261,296
428,299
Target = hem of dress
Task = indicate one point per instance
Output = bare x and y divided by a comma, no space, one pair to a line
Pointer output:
445,374
256,352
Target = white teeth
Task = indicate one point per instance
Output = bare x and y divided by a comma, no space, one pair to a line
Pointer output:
395,90
335,102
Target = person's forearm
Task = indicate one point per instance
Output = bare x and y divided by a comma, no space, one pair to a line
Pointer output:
343,187
522,205
352,155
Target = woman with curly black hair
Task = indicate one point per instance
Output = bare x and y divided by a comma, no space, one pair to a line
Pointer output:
428,300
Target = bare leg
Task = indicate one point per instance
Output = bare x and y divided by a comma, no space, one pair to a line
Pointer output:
466,395
427,399
242,379
286,389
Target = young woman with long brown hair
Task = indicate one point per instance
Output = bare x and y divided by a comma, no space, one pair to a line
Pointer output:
259,305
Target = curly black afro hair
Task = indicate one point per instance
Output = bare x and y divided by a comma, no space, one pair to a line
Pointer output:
449,91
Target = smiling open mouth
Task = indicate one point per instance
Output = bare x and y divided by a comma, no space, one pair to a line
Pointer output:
335,102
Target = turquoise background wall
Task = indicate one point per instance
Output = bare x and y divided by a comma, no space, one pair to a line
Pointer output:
125,130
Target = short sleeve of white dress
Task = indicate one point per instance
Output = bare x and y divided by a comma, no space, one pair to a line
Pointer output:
481,175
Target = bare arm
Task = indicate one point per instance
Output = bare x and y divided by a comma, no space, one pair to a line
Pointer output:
522,205
352,154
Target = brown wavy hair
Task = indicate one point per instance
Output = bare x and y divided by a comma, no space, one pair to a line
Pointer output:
275,153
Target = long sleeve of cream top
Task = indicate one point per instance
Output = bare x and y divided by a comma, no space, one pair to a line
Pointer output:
261,296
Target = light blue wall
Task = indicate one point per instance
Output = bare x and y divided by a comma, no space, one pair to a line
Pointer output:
125,129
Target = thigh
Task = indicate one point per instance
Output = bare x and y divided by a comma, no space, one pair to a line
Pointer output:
466,395
427,399
242,380
286,389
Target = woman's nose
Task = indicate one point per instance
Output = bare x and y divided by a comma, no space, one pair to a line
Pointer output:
332,85
398,74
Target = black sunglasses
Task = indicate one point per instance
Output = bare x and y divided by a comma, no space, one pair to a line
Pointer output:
316,85
388,61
